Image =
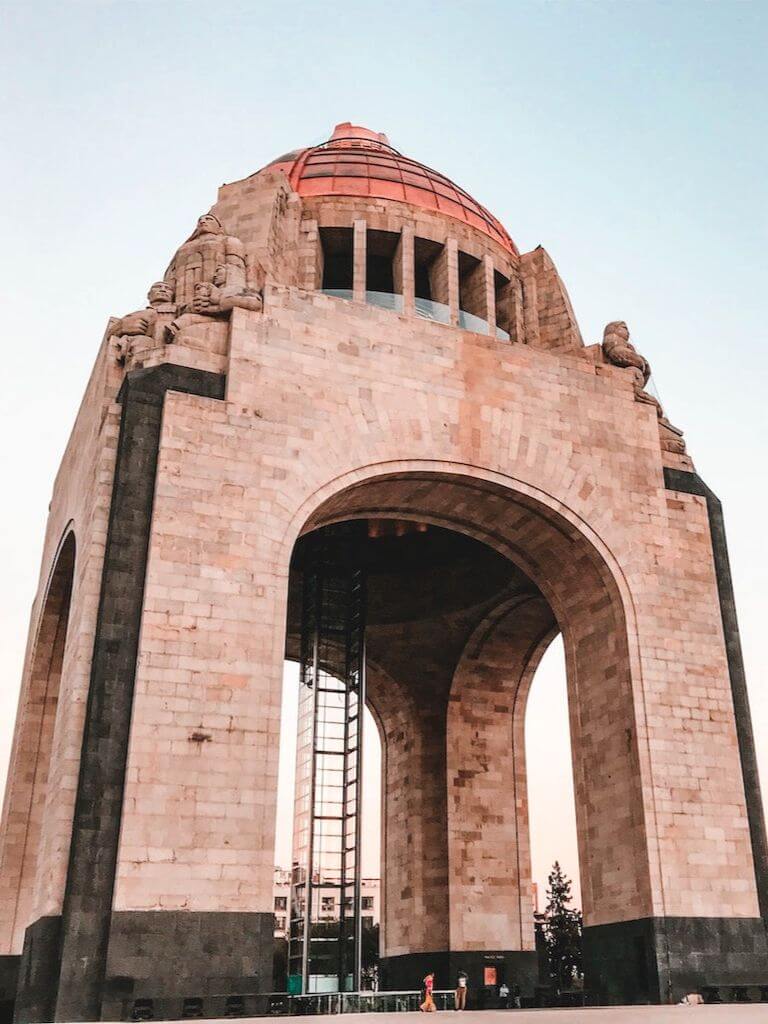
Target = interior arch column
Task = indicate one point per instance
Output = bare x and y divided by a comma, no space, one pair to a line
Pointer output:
488,832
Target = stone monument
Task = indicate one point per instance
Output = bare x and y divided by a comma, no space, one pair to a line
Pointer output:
350,356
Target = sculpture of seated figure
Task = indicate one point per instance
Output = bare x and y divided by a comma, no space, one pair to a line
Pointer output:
618,350
206,249
216,299
144,322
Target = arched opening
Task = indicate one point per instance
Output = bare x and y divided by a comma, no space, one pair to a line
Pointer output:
473,582
549,770
370,850
30,758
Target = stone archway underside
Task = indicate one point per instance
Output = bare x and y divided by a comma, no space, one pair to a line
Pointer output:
448,686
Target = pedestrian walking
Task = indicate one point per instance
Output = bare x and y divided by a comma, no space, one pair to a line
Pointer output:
428,1003
504,995
517,997
461,991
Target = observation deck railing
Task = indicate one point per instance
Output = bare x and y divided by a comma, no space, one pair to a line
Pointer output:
437,312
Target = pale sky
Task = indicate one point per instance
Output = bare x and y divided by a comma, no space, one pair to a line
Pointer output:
628,138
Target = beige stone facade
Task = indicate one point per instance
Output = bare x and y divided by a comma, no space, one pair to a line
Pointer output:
543,450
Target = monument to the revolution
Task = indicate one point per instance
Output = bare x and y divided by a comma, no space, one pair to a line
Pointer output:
354,426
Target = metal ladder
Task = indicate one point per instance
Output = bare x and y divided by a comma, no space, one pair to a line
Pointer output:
325,931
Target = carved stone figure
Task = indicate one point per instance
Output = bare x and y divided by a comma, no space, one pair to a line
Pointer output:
144,322
216,299
196,261
618,350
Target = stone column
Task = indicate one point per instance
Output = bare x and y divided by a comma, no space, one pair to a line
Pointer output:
359,261
404,269
414,850
311,257
530,310
490,295
452,253
488,840
516,313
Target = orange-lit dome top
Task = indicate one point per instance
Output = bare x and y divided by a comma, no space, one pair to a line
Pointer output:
358,162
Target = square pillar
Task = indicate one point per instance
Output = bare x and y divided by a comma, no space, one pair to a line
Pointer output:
490,295
516,311
404,269
359,255
452,257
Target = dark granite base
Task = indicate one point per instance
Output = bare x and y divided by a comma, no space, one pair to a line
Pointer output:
658,960
9,979
406,972
38,972
173,956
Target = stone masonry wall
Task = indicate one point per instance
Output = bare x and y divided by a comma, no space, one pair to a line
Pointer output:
80,503
323,393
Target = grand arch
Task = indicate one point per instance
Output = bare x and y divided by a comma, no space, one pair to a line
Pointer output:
348,339
456,844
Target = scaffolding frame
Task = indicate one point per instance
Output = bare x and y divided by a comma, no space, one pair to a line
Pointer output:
325,947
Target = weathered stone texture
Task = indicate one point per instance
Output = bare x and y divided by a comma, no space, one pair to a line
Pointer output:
44,762
549,453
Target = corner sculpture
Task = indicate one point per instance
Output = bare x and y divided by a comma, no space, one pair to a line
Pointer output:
210,275
206,279
619,350
144,323
216,299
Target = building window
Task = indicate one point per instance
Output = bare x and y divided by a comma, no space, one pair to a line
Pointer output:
281,902
327,904
280,924
472,297
367,903
367,922
337,248
381,252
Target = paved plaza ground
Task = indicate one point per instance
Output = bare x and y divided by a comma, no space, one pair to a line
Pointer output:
724,1014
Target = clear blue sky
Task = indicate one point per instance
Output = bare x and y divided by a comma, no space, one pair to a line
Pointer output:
628,138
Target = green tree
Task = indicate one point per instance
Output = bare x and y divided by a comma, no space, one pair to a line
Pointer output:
562,932
370,957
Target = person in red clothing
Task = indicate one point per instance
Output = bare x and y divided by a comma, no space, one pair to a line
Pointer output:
428,1005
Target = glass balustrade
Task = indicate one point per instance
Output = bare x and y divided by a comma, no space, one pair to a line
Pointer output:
470,322
430,310
387,300
438,312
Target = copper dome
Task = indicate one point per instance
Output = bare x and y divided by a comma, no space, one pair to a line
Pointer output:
358,162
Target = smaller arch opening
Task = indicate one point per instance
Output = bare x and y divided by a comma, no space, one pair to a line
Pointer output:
31,758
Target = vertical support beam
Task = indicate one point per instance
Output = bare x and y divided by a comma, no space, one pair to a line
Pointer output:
310,272
490,295
452,254
516,315
359,254
407,269
98,807
530,310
